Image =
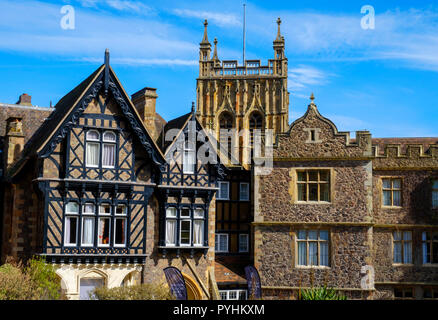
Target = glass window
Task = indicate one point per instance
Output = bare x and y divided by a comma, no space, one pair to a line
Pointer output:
223,192
108,155
313,185
88,208
171,212
109,136
92,154
72,208
403,293
185,232
170,232
189,158
105,209
391,192
71,230
402,246
185,212
87,231
198,213
93,135
104,231
435,194
198,232
430,293
313,247
120,232
121,209
243,242
238,294
221,242
244,191
430,247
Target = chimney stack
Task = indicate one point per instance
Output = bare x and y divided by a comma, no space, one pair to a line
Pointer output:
145,101
14,141
25,100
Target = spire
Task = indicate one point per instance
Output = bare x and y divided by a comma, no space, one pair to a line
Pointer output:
279,37
215,57
205,38
107,59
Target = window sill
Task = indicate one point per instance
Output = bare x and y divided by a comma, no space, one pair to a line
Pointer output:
403,265
313,202
392,207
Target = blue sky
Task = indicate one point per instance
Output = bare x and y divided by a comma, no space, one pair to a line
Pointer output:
383,80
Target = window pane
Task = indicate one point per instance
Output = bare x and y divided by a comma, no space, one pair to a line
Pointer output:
323,235
223,242
434,252
121,209
244,191
397,198
89,208
171,212
324,192
407,252
324,254
92,152
243,243
302,235
105,209
301,176
427,293
185,212
93,135
407,235
435,184
313,253
189,161
302,253
104,231
198,213
185,232
120,232
313,235
198,232
302,192
396,183
397,235
88,231
387,183
323,176
397,252
223,190
386,198
434,199
109,136
72,207
426,253
313,192
313,175
70,236
109,155
170,232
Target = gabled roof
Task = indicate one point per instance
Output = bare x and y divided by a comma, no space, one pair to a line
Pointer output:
177,123
70,107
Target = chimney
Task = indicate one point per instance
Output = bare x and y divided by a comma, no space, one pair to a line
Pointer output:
14,140
145,101
25,100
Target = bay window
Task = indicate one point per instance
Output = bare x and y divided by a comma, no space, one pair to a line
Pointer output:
184,226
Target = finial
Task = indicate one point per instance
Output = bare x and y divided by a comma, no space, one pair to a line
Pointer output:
312,97
279,32
205,38
107,63
215,57
193,106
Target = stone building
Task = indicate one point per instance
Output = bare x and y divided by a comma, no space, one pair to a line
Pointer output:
110,193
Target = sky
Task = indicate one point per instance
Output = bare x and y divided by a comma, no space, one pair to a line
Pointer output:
382,78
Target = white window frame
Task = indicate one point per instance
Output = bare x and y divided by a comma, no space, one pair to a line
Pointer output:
120,217
95,142
82,232
190,233
237,291
240,191
189,153
69,244
219,191
247,241
125,211
111,143
218,235
104,217
103,213
171,218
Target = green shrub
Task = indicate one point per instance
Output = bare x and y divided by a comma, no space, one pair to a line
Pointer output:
147,291
35,281
323,293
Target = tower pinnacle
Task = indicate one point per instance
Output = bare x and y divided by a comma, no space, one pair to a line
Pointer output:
205,38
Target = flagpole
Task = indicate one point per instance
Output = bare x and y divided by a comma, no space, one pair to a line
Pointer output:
244,23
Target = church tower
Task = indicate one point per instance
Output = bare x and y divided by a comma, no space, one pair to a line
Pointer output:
252,96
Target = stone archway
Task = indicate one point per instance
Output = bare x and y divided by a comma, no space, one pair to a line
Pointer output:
193,289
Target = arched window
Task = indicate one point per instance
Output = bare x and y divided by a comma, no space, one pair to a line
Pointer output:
255,123
226,121
109,149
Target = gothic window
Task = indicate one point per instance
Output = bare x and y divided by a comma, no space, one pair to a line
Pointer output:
225,124
313,185
255,123
313,247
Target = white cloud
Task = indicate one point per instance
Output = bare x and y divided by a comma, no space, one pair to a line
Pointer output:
302,77
120,5
222,19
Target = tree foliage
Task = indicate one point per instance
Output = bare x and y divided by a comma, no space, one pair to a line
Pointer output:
147,291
